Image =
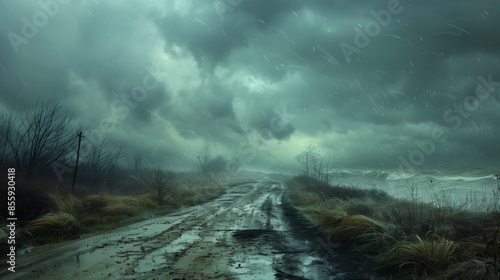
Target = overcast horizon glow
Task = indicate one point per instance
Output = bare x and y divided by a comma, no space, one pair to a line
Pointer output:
371,83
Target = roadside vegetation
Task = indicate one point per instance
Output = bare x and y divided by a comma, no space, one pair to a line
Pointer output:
47,214
407,239
53,215
68,186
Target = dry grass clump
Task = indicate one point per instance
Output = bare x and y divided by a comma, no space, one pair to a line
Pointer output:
330,219
94,202
361,206
421,256
466,224
307,199
108,205
119,208
376,242
312,211
352,227
143,201
67,203
471,269
473,248
52,226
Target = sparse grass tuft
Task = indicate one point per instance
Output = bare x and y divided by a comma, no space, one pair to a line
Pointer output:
352,227
53,226
330,219
67,203
106,208
119,209
308,199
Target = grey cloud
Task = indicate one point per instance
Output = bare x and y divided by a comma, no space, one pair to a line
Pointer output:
228,74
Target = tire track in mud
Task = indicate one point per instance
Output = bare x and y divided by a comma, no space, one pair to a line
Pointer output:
250,232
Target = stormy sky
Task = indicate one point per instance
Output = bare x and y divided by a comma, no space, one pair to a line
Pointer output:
375,84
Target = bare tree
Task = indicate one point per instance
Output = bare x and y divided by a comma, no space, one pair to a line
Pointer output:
162,185
137,161
39,137
308,159
322,166
5,126
205,157
100,162
116,173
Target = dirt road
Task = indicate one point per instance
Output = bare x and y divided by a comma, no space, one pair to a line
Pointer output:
250,232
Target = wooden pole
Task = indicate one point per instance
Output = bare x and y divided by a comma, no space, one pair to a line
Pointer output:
80,136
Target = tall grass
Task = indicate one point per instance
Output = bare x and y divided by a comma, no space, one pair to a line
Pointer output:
420,256
406,237
53,214
52,226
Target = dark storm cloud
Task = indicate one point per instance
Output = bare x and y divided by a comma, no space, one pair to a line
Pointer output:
274,75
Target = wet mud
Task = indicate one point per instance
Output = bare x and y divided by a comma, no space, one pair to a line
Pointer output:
250,232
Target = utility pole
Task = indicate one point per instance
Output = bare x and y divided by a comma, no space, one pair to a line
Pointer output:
80,136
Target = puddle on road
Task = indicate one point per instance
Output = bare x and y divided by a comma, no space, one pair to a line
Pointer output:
252,234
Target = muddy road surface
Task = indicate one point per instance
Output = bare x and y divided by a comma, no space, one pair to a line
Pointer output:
250,232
